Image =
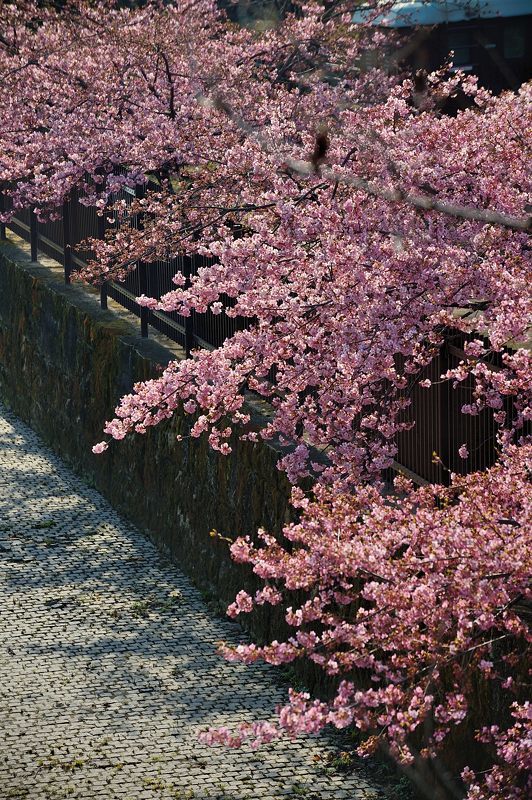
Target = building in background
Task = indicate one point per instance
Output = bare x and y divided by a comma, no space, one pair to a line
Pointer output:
490,38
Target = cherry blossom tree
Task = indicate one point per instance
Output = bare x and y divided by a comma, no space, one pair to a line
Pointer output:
422,597
353,223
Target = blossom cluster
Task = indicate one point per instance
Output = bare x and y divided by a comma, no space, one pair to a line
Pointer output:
413,604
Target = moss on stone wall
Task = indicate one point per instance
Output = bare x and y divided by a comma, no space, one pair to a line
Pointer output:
64,364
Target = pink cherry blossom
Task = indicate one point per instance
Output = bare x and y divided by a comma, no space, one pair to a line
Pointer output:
100,447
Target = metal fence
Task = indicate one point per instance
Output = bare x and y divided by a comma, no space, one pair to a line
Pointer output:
60,239
429,451
440,426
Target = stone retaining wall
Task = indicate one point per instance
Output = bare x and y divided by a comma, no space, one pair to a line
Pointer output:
64,364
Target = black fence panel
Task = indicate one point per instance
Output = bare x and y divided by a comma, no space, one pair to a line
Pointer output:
417,445
50,239
63,238
84,221
430,449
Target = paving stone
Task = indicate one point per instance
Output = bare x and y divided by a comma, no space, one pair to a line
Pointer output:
107,659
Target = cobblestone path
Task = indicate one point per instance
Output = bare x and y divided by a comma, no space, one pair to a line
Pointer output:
107,660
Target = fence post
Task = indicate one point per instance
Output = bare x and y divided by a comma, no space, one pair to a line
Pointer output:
101,235
67,240
103,295
143,285
2,224
189,321
143,275
34,235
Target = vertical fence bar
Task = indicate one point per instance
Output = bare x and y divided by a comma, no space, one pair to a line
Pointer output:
3,236
34,236
103,295
189,321
67,240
